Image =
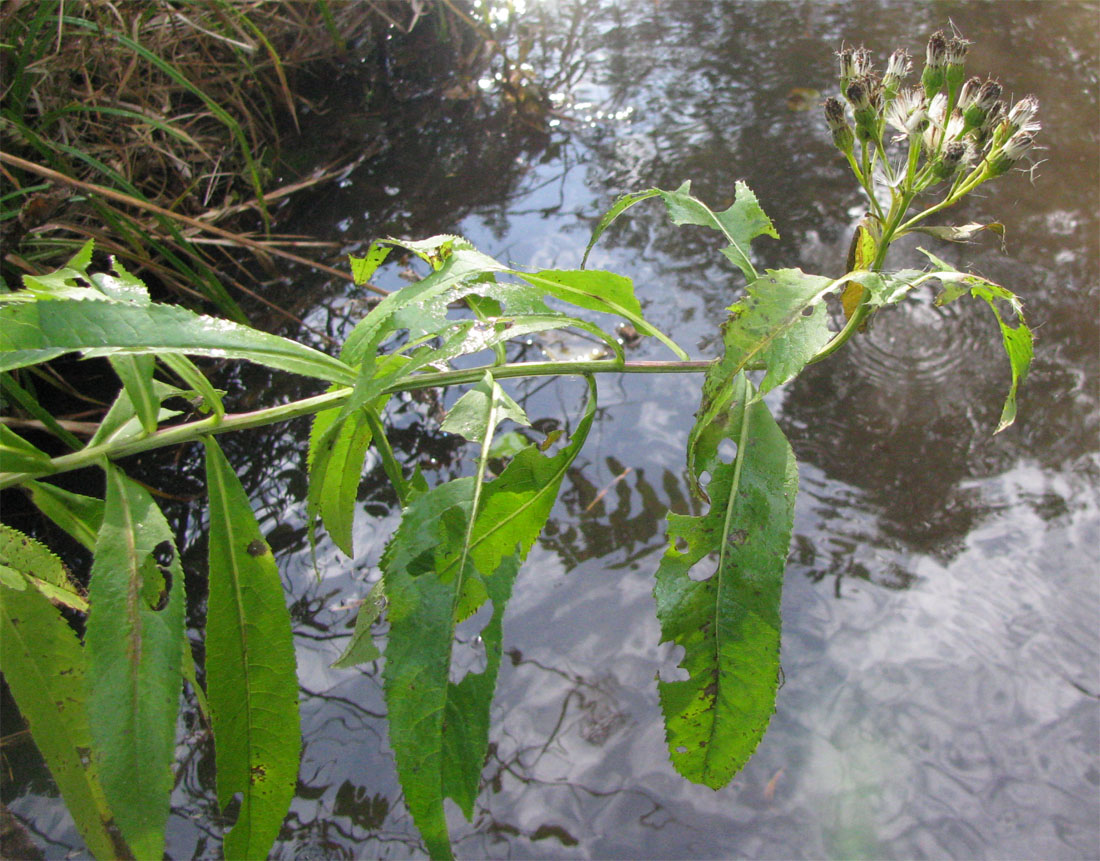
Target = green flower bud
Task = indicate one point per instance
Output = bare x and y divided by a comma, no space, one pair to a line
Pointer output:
933,76
838,125
954,56
954,154
976,113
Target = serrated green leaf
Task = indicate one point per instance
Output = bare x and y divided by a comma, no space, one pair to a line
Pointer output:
18,455
362,268
40,566
781,323
437,570
134,640
769,327
740,224
44,667
33,332
252,682
726,616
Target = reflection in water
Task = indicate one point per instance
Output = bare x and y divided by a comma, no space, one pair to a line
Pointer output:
940,608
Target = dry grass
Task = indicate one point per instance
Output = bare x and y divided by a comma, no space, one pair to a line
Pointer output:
178,106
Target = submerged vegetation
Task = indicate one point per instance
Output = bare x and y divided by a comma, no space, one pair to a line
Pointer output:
97,671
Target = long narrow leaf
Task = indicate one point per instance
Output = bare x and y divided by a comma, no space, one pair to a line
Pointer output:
44,666
252,683
32,332
134,639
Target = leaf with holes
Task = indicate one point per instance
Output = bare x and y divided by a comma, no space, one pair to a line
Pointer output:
134,641
455,548
718,594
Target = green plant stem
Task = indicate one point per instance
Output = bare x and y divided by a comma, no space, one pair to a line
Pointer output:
191,431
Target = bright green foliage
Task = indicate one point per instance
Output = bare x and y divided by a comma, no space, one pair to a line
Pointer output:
252,683
44,666
134,641
361,649
335,474
726,616
18,455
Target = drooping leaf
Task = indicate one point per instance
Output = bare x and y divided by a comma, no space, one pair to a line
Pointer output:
44,667
252,682
134,640
29,402
136,374
33,332
437,570
718,594
335,473
1018,341
187,371
740,224
597,290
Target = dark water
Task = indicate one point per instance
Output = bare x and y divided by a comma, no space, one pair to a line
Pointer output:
942,603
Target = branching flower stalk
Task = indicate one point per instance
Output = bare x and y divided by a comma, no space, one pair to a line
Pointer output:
949,130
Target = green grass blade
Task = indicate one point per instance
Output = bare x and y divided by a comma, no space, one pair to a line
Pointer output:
252,683
134,641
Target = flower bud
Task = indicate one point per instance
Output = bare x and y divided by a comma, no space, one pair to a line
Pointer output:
977,111
954,56
864,97
953,156
933,76
1022,116
838,125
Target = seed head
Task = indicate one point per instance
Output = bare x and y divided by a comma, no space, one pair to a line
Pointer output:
1022,116
954,155
1005,158
897,68
908,113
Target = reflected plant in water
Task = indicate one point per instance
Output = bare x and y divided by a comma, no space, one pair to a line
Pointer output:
103,709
